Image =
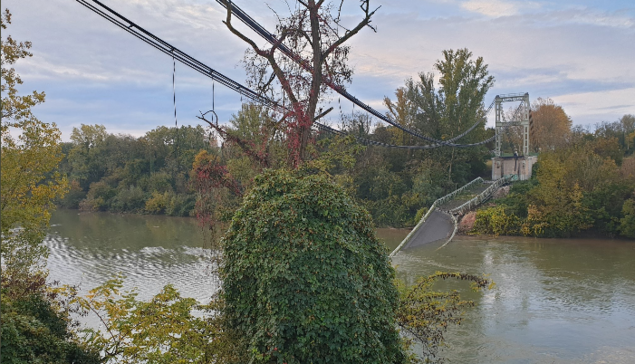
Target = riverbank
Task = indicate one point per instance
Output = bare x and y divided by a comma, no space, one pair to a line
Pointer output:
538,208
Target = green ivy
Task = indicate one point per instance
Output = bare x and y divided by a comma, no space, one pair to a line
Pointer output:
305,280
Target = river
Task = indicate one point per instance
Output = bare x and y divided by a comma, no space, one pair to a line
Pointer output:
555,301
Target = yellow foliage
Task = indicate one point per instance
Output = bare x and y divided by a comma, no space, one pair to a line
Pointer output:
158,202
31,152
165,329
496,221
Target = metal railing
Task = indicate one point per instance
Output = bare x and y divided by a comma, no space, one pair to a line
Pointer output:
483,196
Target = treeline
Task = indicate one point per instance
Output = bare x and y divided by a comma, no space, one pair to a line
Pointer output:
157,173
584,184
121,173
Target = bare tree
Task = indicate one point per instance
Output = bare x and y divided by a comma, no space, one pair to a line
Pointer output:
313,38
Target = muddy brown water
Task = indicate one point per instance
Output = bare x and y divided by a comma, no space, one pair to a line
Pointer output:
555,301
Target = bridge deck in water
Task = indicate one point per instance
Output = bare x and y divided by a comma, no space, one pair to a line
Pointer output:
438,226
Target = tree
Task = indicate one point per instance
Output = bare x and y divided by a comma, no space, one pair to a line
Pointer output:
627,223
628,132
401,112
623,130
448,111
425,314
35,326
131,332
551,126
316,38
31,152
86,158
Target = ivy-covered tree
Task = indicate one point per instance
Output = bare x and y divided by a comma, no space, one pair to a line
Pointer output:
304,279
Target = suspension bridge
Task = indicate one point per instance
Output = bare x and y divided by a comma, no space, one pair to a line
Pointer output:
440,222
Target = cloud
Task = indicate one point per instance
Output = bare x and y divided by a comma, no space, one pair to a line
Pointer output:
94,72
492,8
602,19
591,107
585,16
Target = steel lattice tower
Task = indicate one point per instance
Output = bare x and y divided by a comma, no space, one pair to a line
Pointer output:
522,117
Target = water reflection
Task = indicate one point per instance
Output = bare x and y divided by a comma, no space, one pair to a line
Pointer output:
152,251
556,301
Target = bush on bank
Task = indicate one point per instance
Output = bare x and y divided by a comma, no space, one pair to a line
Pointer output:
36,327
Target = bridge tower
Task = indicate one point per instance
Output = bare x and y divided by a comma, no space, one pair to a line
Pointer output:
521,118
518,164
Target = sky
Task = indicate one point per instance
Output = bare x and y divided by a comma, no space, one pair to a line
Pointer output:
581,54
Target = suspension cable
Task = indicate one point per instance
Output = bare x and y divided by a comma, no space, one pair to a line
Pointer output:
176,121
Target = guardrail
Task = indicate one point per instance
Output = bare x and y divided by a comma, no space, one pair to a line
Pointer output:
477,200
438,202
483,196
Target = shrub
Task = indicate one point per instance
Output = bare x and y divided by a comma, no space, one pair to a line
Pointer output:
35,327
129,199
180,205
159,182
166,329
99,197
158,202
304,277
74,196
627,223
496,221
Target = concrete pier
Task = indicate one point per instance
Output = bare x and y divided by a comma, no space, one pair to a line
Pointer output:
514,165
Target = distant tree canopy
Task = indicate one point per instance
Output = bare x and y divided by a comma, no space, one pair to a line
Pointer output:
446,112
122,173
623,131
551,126
583,185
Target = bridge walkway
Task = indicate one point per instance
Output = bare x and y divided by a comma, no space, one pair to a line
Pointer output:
440,223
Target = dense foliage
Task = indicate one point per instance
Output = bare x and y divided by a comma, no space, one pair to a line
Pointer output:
304,278
121,173
166,329
30,155
580,187
35,326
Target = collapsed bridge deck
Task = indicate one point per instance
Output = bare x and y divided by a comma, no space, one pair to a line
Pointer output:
440,223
